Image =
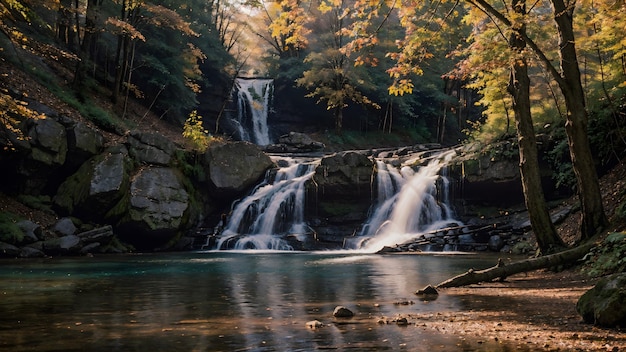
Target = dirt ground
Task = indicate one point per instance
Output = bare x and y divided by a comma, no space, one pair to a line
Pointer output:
532,312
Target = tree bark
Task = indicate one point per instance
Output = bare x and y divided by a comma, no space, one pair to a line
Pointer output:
501,271
593,215
519,88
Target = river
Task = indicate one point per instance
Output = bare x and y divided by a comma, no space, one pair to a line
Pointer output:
225,301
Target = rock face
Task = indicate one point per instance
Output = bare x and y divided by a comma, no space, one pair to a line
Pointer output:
605,304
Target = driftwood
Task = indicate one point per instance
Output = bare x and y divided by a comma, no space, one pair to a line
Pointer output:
501,271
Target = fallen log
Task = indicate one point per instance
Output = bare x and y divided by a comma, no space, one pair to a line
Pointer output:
501,271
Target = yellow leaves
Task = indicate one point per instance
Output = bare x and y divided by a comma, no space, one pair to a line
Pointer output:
194,132
12,112
401,87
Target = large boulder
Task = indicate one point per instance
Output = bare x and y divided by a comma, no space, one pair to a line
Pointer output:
157,208
344,174
97,187
605,304
234,168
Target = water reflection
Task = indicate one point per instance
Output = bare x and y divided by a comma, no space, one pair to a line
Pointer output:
220,301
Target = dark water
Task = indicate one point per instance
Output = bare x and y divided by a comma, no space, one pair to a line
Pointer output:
223,302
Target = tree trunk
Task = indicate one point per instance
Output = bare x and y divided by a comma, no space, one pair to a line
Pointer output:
593,216
338,119
519,88
501,271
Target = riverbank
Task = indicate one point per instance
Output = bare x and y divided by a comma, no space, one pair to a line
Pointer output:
533,311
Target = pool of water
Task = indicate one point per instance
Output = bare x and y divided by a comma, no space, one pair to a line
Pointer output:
223,301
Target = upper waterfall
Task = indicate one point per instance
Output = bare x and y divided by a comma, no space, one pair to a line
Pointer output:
254,97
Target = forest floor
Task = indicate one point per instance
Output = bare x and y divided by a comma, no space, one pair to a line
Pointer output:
534,311
528,312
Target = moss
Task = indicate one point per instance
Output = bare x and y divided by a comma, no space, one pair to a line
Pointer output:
9,231
43,203
610,257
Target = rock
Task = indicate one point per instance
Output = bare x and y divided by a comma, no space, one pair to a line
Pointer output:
234,168
64,227
314,324
94,191
342,312
428,290
8,250
495,243
62,245
295,142
344,178
150,148
90,248
30,252
157,207
102,234
605,303
48,141
402,321
32,231
83,143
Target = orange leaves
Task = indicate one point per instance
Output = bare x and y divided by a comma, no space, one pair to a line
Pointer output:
124,28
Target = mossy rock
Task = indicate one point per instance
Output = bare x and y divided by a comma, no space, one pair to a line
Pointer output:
605,304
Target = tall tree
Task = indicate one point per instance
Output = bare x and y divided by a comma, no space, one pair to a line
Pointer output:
519,88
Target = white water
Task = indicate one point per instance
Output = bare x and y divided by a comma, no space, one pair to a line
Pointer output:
274,209
408,206
253,101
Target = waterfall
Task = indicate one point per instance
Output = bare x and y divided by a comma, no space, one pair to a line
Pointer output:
409,203
274,210
253,102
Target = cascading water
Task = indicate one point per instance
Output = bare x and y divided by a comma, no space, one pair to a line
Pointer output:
409,204
273,212
253,103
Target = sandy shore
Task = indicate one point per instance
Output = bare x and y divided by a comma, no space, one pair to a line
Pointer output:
532,312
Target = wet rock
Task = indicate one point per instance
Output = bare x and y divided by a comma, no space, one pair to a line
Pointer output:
342,312
605,303
428,290
346,173
314,324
